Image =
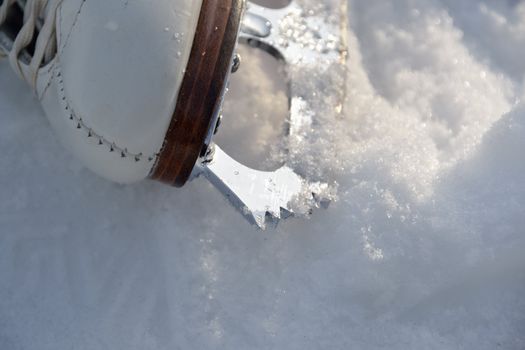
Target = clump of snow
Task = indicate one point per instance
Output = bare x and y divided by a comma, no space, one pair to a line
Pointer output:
424,248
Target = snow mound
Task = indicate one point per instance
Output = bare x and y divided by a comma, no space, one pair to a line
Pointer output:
424,248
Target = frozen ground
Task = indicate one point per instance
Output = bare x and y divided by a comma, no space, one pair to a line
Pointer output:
423,250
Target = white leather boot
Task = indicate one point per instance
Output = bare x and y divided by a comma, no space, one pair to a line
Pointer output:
111,87
134,88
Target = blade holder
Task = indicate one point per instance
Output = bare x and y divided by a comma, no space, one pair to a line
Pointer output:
310,39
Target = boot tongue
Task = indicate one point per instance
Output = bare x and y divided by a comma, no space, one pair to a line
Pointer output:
10,27
26,36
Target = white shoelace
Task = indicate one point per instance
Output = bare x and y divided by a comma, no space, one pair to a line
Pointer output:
46,44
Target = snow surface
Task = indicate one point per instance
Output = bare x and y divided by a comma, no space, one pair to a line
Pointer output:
423,250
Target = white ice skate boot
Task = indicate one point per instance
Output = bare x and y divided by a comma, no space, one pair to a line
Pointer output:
134,88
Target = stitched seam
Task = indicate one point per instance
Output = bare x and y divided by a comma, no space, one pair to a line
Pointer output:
90,133
77,16
49,81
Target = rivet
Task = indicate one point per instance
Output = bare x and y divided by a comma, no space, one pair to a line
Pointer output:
236,63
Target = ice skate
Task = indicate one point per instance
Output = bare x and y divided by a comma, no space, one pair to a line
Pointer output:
135,91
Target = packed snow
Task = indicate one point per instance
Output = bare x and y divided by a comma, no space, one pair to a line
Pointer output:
424,248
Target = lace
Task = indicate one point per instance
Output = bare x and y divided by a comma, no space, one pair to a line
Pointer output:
37,13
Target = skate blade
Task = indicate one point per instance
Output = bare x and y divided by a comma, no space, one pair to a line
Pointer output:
310,39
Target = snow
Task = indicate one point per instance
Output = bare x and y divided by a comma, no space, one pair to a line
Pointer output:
423,250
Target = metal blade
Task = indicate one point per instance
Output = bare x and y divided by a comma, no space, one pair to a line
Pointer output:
255,193
310,38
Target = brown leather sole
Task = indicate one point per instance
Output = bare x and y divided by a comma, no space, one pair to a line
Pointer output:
201,91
